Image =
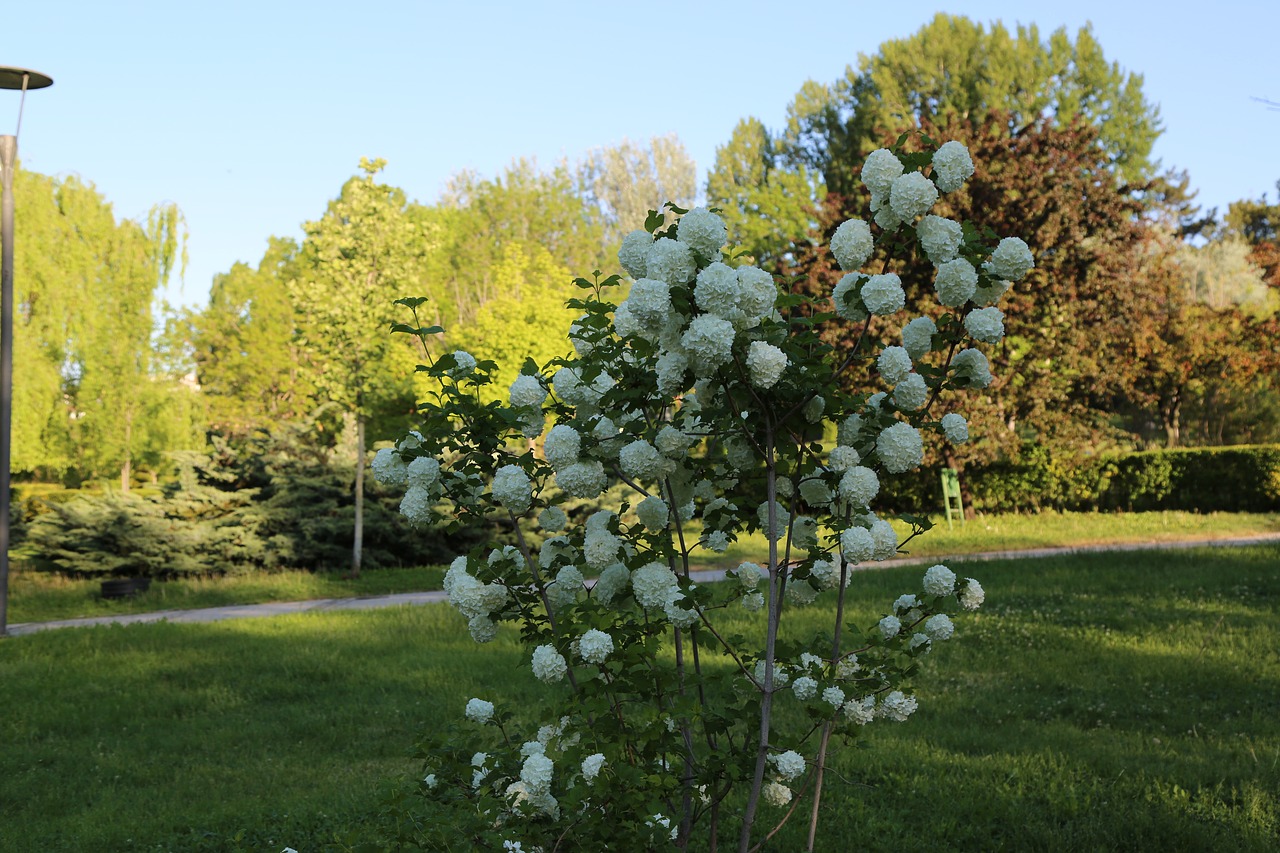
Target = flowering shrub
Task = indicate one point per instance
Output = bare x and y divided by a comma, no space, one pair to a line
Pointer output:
699,392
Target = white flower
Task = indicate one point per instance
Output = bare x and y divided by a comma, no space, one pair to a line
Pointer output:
859,486
885,539
673,443
671,369
989,294
824,572
781,518
479,711
780,676
879,172
833,696
900,448
852,244
972,596
388,468
564,590
650,303
896,706
985,324
955,428
813,409
804,532
512,489
748,575
635,246
939,627
757,293
917,640
653,513
905,602
911,393
548,664
612,582
765,364
939,580
640,460
857,545
429,780
578,336
416,505
883,294
536,772
653,585
847,667
789,764
703,231
939,238
1010,261
753,601
800,592
595,646
955,282
412,441
709,343
776,794
625,325
890,626
860,711
912,195
552,519
971,369
464,362
885,216
600,548
805,687
917,337
582,479
894,364
591,767
847,298
717,292
842,458
527,391
952,166
670,261
815,492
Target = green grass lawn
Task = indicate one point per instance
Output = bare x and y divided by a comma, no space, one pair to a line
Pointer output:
1097,702
39,597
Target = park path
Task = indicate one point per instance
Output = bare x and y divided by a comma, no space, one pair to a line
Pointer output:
321,605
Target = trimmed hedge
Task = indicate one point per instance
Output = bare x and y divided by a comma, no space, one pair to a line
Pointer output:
1201,479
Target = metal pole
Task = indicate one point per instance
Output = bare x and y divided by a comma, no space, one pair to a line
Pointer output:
8,159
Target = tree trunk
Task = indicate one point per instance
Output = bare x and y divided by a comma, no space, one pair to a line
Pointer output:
1170,415
357,540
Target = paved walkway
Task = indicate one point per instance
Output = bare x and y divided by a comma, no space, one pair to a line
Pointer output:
250,611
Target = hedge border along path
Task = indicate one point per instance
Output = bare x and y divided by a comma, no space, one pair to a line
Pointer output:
279,608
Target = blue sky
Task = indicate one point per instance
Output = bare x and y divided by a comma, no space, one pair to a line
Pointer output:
251,115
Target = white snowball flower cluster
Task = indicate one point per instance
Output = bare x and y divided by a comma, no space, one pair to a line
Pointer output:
757,293
388,468
654,585
789,764
479,711
552,519
893,364
709,343
900,448
805,688
905,604
600,548
474,599
885,539
591,766
463,363
537,771
582,479
650,303
955,282
670,261
765,364
917,337
594,646
879,172
912,195
776,794
635,248
564,590
852,244
972,596
673,443
548,664
653,513
717,292
527,392
883,294
971,369
704,232
890,627
512,488
985,324
939,580
940,238
612,583
671,369
825,574
939,627
857,545
833,696
911,393
859,486
860,711
781,519
847,298
989,293
1011,260
952,166
955,428
896,707
640,460
842,458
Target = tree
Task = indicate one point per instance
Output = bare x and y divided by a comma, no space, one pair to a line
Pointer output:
354,262
625,181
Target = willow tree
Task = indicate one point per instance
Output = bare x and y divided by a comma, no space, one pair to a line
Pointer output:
367,250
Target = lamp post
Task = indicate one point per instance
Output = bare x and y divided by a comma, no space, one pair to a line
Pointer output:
21,79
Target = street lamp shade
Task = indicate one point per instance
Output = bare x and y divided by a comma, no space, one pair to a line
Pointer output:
11,78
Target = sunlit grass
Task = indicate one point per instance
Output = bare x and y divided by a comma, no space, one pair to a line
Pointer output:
1104,701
